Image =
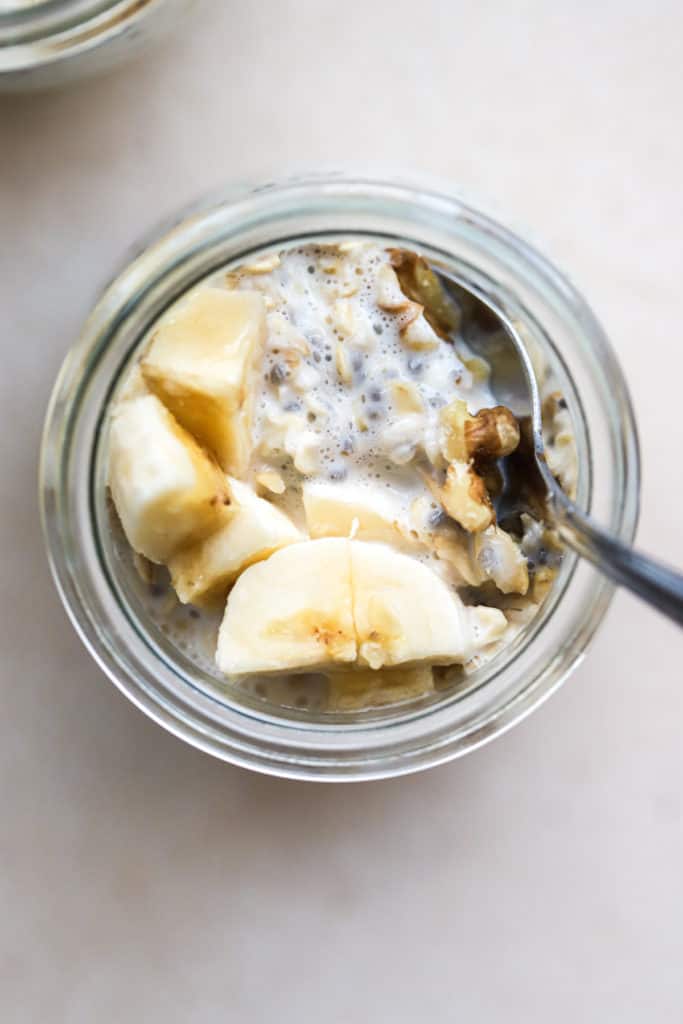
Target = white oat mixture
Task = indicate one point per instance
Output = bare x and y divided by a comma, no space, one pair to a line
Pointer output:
310,447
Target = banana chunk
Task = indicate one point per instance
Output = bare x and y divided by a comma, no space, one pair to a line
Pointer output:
254,529
166,490
404,612
342,510
293,611
363,688
200,363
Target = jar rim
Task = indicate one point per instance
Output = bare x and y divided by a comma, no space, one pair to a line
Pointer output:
291,748
54,30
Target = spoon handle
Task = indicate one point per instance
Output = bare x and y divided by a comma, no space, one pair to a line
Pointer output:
657,584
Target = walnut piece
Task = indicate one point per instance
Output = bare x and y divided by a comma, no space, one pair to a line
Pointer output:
490,434
464,497
421,284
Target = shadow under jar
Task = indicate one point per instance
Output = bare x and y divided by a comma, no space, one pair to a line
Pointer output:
94,572
46,43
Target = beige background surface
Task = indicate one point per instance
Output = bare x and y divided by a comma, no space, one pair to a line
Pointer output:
537,880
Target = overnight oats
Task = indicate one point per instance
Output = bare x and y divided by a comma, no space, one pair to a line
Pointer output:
324,502
291,511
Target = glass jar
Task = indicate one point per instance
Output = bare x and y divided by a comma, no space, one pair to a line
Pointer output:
49,42
223,718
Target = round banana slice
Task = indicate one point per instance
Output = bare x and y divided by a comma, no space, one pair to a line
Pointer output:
336,602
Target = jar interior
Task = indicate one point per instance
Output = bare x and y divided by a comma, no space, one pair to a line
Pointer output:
164,625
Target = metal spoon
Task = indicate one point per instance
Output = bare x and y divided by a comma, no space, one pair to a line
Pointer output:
495,339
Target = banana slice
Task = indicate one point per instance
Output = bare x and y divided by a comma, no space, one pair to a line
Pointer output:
166,490
293,611
337,510
363,688
332,602
200,363
254,529
404,612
